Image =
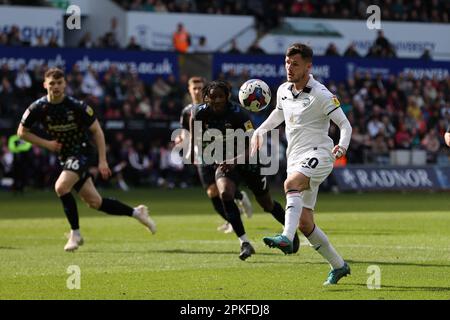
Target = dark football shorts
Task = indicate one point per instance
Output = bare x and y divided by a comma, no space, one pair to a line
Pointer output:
250,175
80,165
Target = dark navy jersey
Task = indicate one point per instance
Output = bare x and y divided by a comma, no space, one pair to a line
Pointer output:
67,122
233,118
186,116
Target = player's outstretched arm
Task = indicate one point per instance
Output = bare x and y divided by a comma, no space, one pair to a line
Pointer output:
274,120
99,139
339,118
25,134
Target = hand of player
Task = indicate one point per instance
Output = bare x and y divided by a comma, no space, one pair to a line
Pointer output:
54,146
255,143
339,151
105,172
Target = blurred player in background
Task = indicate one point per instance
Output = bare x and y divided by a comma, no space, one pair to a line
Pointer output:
67,122
306,106
221,114
207,172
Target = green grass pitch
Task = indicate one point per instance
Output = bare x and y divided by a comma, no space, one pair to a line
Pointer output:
406,235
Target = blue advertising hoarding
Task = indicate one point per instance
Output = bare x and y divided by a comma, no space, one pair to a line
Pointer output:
148,65
367,178
270,68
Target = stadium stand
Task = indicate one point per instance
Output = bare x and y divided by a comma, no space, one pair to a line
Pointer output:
387,114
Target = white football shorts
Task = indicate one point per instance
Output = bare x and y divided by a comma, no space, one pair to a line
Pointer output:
317,165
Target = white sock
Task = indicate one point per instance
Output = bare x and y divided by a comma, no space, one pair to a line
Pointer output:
320,242
76,232
294,206
243,239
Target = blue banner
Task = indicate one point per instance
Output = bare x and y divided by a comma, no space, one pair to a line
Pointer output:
270,68
365,178
148,65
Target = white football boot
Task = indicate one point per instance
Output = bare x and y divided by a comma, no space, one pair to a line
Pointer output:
141,214
75,240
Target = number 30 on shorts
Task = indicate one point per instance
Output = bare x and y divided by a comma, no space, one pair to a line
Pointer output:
310,163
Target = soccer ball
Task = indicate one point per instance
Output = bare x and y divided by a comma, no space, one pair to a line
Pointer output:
254,95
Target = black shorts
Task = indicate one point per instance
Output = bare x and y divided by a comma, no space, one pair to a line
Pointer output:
207,174
80,165
250,175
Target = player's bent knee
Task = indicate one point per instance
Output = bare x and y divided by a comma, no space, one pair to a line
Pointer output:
61,190
93,202
212,192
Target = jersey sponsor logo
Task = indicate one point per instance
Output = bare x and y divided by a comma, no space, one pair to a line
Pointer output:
336,101
89,111
248,125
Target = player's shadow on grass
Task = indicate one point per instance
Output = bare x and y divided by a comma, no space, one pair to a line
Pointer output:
400,263
9,248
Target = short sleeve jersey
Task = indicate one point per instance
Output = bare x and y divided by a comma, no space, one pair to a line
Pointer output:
67,122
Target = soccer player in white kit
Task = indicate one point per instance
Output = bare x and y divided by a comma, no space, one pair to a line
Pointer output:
306,106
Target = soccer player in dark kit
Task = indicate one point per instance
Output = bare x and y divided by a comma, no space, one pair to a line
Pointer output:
207,172
67,122
219,113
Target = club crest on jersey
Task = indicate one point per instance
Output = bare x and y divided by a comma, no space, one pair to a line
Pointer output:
306,102
248,125
89,111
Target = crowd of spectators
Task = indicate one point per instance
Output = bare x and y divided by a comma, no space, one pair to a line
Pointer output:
386,114
434,11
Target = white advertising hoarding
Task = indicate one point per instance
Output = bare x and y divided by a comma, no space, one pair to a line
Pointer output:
409,39
154,30
33,22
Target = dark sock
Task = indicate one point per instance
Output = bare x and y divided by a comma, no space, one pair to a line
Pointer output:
218,206
238,195
71,211
115,208
278,212
234,217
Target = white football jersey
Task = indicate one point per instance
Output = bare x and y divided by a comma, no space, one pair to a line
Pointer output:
306,116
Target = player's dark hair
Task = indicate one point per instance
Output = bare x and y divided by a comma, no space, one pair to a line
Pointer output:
195,80
217,84
302,49
55,73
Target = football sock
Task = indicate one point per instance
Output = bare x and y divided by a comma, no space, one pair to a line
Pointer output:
234,217
278,212
294,206
238,195
320,242
71,211
243,239
115,208
218,206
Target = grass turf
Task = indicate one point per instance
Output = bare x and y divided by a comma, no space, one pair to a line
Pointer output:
406,235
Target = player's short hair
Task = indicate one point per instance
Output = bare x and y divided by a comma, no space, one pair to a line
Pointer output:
305,51
217,84
194,80
55,73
